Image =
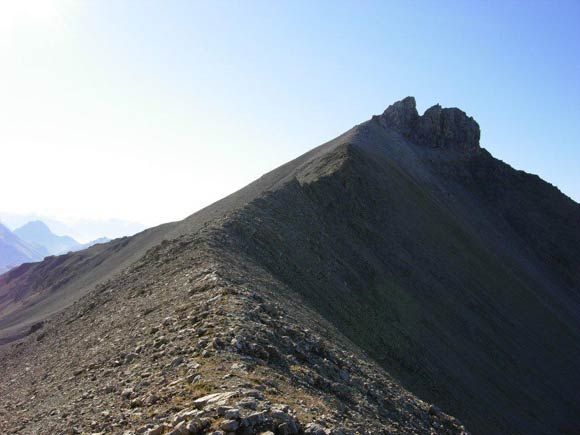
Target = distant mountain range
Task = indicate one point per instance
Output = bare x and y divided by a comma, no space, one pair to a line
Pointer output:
82,230
33,242
94,242
39,235
14,251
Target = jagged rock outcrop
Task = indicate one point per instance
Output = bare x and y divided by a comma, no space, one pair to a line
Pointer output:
447,128
401,116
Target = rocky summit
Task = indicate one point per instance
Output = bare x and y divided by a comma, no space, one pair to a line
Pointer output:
395,280
447,128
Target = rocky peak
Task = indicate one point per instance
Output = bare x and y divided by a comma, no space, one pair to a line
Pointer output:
448,128
402,116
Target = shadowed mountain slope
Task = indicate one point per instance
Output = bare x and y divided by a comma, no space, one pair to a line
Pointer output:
448,287
401,239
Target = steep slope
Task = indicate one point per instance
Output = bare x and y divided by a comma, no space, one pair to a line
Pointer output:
194,338
33,292
401,239
451,310
14,251
460,275
38,234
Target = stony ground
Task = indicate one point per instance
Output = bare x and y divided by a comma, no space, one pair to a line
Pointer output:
194,339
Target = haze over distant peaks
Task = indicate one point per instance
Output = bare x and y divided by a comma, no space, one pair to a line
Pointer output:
14,251
82,230
34,241
38,234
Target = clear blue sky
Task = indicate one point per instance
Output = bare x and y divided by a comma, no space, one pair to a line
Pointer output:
149,110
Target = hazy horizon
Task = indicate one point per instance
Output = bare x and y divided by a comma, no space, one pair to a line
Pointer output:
83,230
147,111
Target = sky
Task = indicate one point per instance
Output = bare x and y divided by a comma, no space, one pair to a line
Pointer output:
150,110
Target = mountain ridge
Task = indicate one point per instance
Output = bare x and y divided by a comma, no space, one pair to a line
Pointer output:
456,273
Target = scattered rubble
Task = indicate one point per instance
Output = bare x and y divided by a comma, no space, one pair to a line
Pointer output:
215,357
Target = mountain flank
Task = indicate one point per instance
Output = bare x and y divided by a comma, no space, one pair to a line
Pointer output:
398,263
